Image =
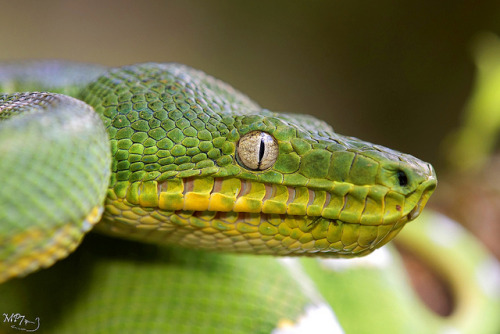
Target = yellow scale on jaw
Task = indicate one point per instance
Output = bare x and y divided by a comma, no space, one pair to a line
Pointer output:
245,215
344,202
224,195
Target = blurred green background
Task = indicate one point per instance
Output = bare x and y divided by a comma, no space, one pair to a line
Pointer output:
391,72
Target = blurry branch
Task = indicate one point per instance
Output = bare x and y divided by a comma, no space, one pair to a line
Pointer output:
470,147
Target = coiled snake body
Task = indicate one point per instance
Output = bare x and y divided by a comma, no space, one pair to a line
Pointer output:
165,154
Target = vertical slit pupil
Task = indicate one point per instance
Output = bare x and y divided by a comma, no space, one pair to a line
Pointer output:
262,148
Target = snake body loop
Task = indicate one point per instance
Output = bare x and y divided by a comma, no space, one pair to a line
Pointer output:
167,154
196,163
55,158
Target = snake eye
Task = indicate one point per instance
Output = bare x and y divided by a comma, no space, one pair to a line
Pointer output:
257,150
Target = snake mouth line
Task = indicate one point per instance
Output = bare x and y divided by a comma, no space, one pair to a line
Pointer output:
248,216
365,205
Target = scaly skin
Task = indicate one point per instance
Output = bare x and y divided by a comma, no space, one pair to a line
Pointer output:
57,146
179,176
176,177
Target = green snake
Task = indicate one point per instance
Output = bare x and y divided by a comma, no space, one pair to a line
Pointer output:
167,155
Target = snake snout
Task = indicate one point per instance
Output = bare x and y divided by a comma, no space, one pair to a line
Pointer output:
428,188
422,192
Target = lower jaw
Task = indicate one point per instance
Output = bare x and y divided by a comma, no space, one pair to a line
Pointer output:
254,233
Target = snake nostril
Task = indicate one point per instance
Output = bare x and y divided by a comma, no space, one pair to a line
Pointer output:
402,178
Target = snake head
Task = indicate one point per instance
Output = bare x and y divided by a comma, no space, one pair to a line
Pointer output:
199,164
352,196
